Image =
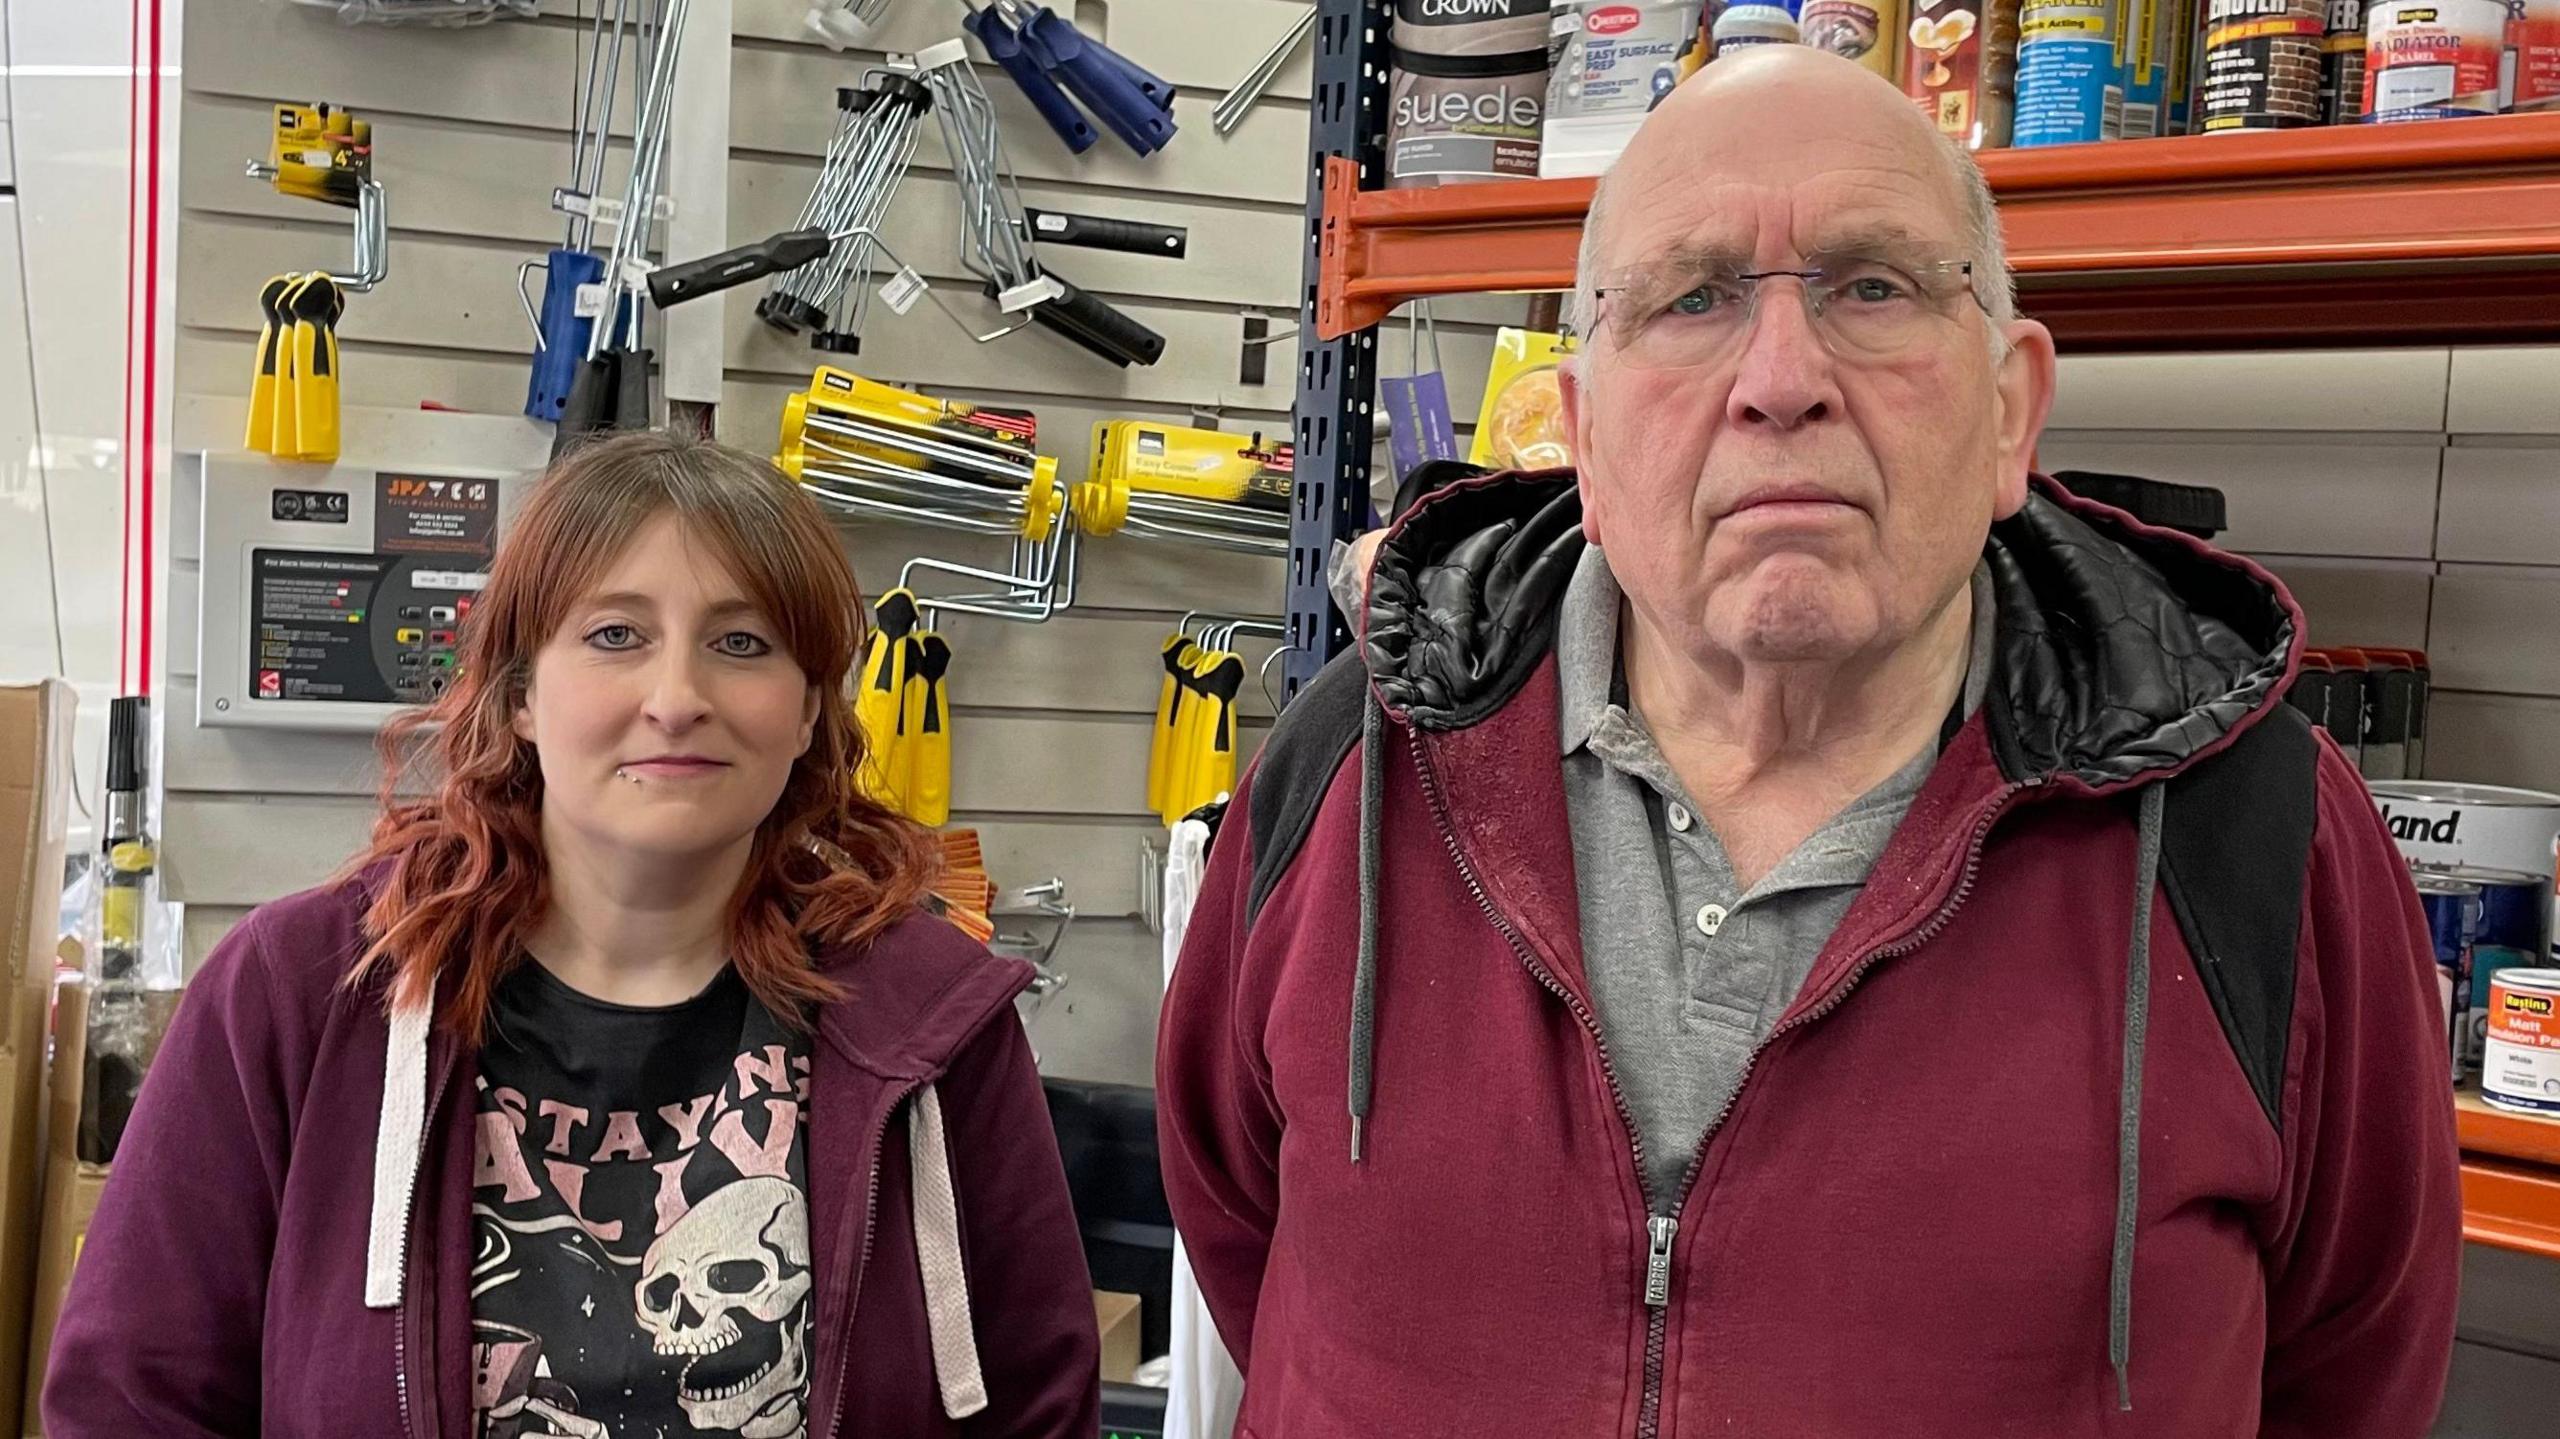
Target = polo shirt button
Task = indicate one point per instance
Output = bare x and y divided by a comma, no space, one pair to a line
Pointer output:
1711,919
1679,816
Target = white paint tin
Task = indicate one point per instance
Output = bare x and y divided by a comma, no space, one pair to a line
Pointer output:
2520,1068
2480,825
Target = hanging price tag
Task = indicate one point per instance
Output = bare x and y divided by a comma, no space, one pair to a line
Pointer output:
903,290
590,304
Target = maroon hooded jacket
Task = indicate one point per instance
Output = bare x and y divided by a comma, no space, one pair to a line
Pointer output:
222,1287
2118,1105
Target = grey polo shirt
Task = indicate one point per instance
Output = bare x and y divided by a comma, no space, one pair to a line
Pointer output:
1688,970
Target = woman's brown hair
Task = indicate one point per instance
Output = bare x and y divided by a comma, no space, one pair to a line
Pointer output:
464,874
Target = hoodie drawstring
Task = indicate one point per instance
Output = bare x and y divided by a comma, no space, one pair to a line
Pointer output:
397,1143
1364,977
2137,1024
946,1284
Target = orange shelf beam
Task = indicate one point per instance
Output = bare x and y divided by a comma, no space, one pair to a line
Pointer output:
2418,233
2510,1206
2510,1178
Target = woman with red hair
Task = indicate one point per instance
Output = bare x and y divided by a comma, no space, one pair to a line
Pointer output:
624,1086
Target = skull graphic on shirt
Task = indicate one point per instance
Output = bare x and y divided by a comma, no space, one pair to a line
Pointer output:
726,1288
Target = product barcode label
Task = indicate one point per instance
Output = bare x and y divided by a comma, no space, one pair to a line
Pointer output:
2141,122
903,290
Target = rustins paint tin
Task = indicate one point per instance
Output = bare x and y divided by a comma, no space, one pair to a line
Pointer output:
2342,64
2514,908
2453,917
2068,92
2533,35
2434,59
2473,824
2262,64
2522,1065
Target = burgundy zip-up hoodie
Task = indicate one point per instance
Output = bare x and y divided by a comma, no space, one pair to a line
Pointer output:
2021,1159
223,1287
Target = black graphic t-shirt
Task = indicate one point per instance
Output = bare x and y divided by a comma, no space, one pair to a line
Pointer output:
639,1207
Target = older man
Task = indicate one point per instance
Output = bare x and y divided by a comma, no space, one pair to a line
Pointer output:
1805,929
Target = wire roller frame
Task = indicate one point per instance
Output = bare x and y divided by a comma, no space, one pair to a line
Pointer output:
893,462
877,125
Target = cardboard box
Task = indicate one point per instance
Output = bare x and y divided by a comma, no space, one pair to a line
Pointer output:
1116,1315
35,811
71,1188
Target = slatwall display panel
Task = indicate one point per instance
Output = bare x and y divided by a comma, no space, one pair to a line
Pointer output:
2494,739
2283,494
2501,502
1051,720
2292,391
2505,390
2358,602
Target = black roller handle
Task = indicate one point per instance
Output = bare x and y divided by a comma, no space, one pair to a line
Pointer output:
1098,232
675,284
1094,324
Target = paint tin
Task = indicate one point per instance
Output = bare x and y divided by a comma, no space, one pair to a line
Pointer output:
2533,35
2182,19
2453,918
2522,1068
2142,66
2262,64
1867,31
1960,66
2342,64
2512,934
2434,59
2068,88
1609,62
2470,824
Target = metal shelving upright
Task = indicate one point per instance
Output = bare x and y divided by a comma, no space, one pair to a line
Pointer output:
1346,125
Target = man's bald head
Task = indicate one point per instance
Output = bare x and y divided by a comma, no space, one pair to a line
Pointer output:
1823,94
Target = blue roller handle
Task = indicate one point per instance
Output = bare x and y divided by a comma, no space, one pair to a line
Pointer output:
1008,50
1158,93
564,332
1100,78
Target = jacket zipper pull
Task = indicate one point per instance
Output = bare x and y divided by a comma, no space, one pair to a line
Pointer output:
1657,1260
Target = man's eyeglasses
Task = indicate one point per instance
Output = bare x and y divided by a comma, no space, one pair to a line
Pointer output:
1864,309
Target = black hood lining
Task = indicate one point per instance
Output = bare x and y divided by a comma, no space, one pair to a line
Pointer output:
1464,594
2120,649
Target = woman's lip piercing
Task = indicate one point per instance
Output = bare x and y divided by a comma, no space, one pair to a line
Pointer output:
626,776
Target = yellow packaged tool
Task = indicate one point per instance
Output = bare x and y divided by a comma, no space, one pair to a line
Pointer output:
1213,766
866,443
319,152
1177,656
312,370
273,332
1521,424
929,776
1143,457
879,705
1194,757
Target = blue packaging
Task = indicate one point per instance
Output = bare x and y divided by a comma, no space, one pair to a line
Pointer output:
2067,87
2453,910
2142,58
